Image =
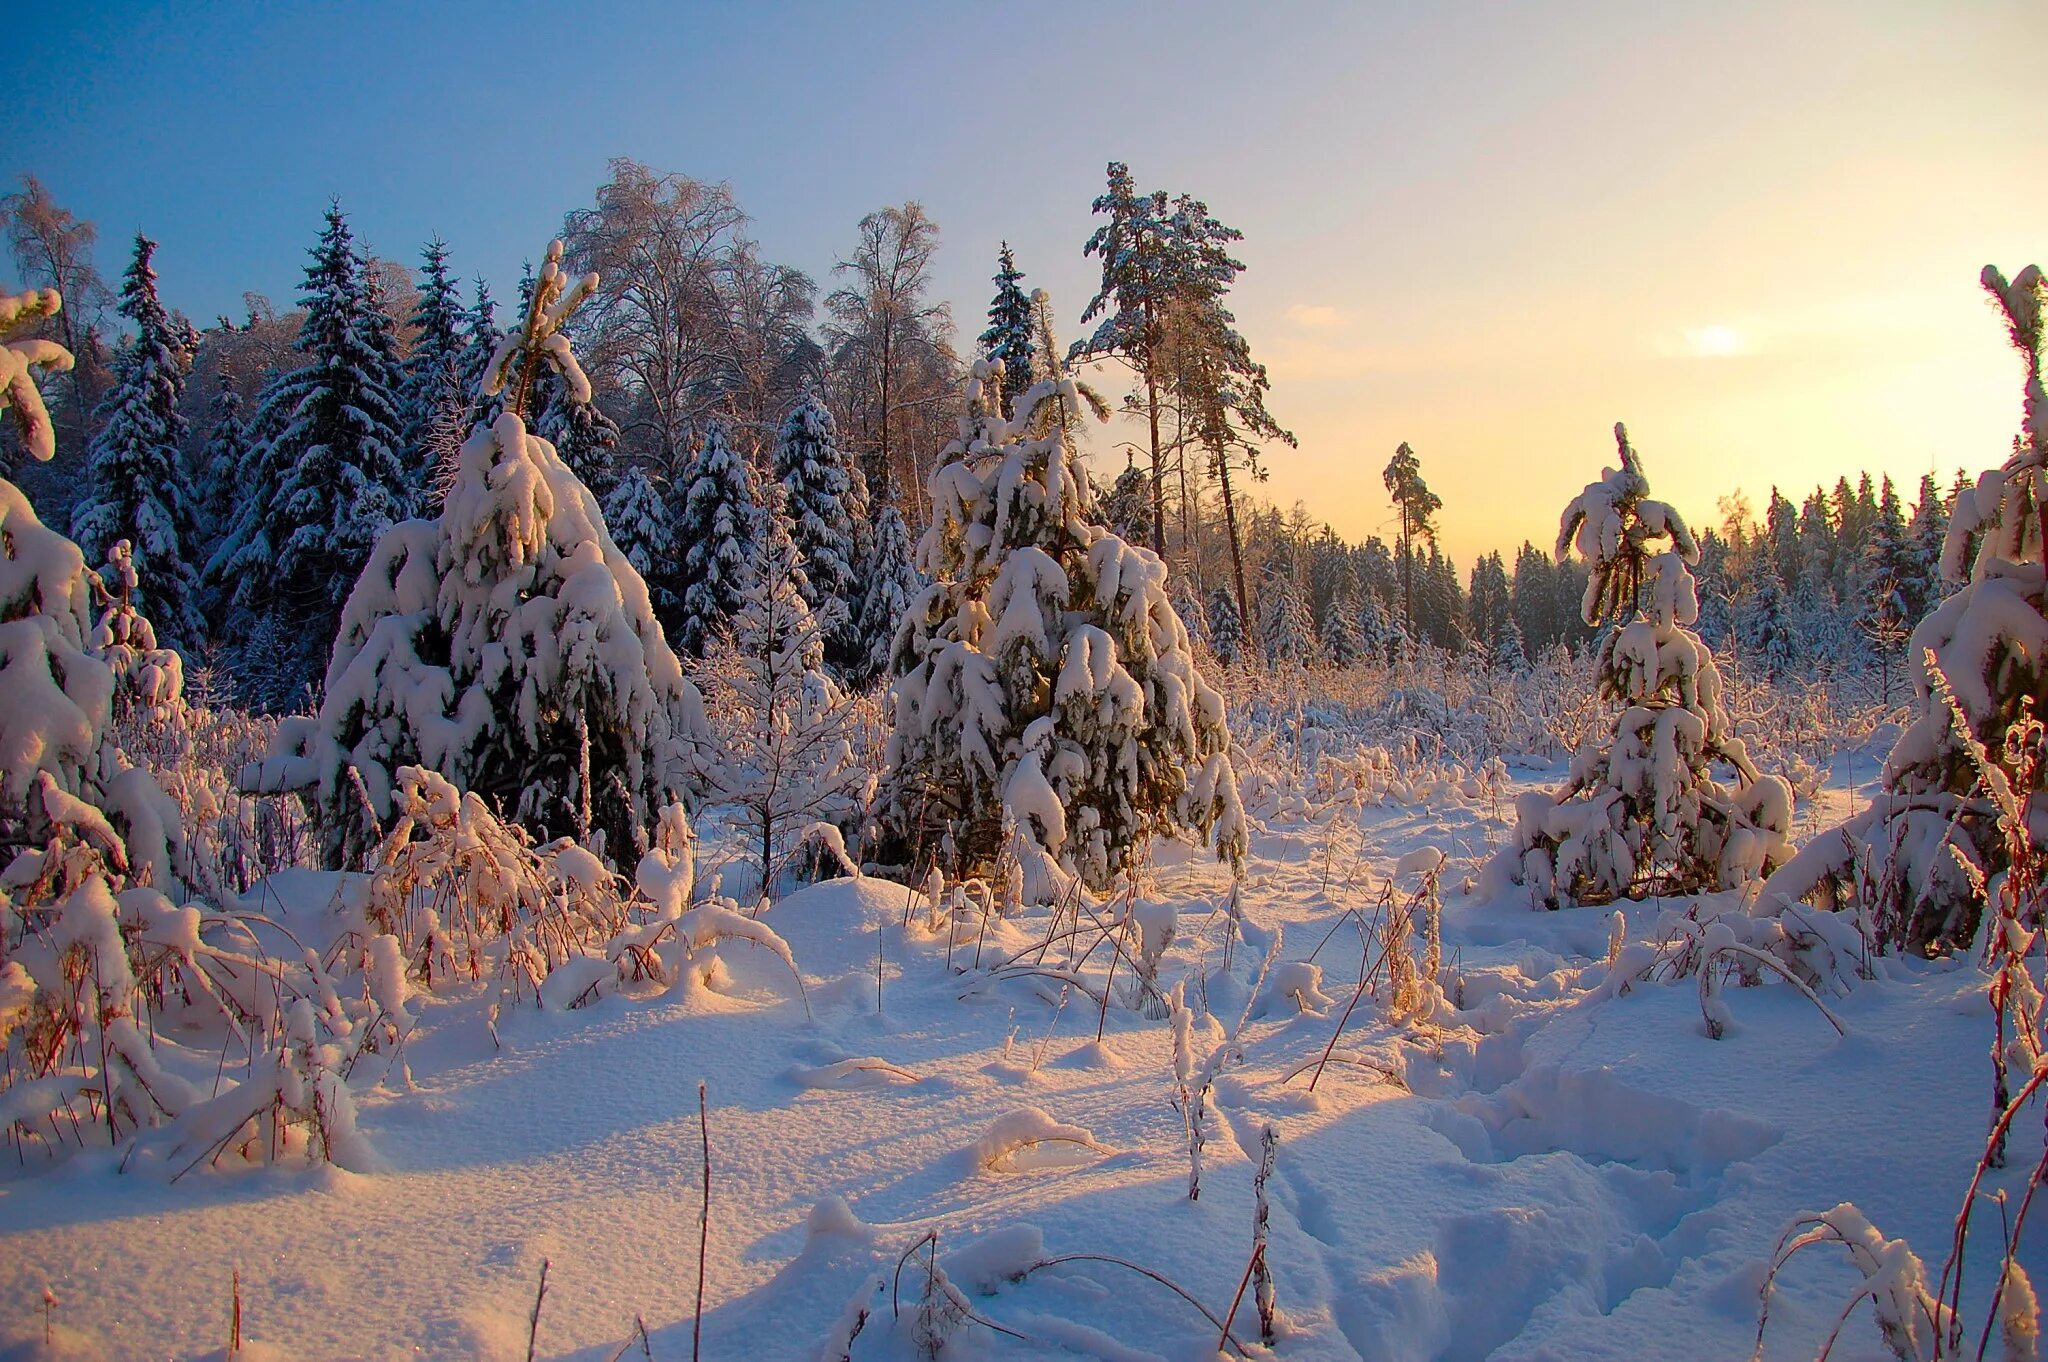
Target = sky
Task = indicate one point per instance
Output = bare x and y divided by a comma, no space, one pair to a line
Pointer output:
1751,231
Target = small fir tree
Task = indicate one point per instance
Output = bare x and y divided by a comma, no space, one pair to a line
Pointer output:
817,479
1046,700
893,582
326,480
1287,636
1226,630
220,462
1008,341
1640,810
637,515
719,516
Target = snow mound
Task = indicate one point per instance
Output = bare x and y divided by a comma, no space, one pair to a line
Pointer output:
1027,1138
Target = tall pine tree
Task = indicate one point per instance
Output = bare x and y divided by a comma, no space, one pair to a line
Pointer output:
433,397
327,478
136,486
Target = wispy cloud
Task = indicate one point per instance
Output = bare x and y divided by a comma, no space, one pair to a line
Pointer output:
1716,340
1318,315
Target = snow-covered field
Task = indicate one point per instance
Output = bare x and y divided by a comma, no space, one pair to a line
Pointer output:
1544,1167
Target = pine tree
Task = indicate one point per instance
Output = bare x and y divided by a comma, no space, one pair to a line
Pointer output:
1287,636
1127,506
1928,531
136,486
1045,691
1007,343
479,343
1342,644
220,462
1956,785
433,399
1640,809
1417,506
818,490
506,644
637,516
332,480
892,583
1767,632
714,533
1226,629
784,757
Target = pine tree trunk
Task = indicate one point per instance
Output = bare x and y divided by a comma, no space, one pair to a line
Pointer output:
1158,465
1236,549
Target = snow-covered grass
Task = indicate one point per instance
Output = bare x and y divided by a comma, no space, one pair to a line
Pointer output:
1544,1164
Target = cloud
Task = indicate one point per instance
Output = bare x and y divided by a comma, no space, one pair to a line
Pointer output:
1716,340
1317,315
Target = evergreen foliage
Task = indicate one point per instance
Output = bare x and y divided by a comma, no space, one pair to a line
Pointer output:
506,644
326,479
1046,704
714,533
1640,810
824,501
433,396
136,485
1008,341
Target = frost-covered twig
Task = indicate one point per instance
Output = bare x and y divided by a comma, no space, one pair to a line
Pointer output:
1229,1339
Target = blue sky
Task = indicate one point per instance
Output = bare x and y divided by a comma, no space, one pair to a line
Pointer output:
1751,231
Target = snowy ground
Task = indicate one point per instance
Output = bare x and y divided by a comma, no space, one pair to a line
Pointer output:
1561,1174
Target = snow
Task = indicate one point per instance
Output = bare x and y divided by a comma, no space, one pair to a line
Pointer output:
1563,1169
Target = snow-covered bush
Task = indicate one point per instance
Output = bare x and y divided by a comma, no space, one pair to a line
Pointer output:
1044,674
1640,810
97,964
506,644
1921,857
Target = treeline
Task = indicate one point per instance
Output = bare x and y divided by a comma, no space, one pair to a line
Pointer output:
253,462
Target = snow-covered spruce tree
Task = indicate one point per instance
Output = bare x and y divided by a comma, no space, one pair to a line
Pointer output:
326,480
1226,630
506,644
1342,644
1920,858
1127,506
1287,636
220,461
1640,811
818,494
433,398
892,582
637,514
584,437
1044,682
783,761
713,532
1008,341
136,487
